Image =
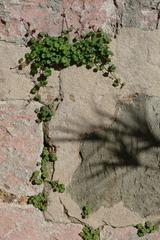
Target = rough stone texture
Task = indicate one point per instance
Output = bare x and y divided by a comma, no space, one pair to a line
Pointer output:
45,15
122,162
51,91
136,55
91,105
84,93
25,222
41,14
128,233
56,211
21,143
141,14
11,78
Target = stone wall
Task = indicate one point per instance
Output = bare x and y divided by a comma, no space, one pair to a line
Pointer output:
45,15
107,139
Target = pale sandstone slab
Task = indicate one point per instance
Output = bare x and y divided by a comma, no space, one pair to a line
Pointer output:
21,143
84,92
137,57
91,104
122,163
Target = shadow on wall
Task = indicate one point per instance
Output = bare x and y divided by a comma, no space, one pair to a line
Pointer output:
120,161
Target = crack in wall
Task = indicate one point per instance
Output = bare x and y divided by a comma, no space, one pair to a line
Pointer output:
47,141
58,100
118,23
71,218
115,3
76,220
158,15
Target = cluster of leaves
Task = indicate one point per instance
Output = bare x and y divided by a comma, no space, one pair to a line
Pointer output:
39,201
49,52
89,233
57,187
37,97
45,113
86,210
38,177
145,229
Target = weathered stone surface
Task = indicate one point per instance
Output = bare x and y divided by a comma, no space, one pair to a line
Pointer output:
89,110
14,84
84,93
21,143
90,107
55,211
73,118
122,163
41,14
140,14
25,222
51,91
44,15
136,55
128,233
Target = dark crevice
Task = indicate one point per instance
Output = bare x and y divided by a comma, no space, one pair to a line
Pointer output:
158,19
70,218
57,101
115,3
118,23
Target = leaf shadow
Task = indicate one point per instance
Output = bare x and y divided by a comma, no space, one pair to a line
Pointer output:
115,156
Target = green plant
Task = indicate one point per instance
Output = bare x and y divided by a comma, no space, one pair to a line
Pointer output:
57,187
37,97
52,157
146,228
39,201
86,210
47,156
49,52
38,177
44,114
89,233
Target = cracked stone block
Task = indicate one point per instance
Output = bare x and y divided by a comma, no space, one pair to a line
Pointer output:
84,93
55,211
122,162
27,222
91,105
128,233
21,143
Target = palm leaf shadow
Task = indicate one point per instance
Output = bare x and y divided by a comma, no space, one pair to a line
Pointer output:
126,139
